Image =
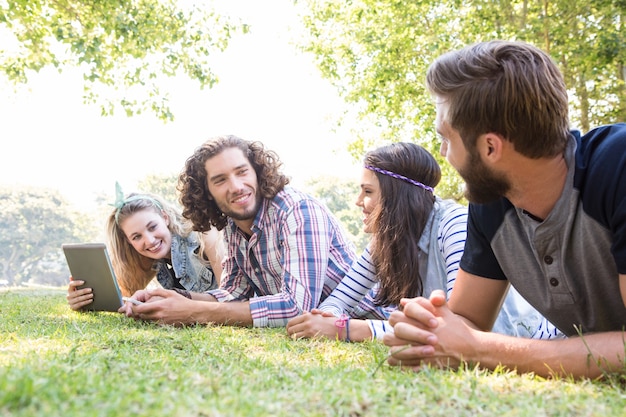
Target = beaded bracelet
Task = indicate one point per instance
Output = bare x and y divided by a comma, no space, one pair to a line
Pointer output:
184,293
340,323
348,330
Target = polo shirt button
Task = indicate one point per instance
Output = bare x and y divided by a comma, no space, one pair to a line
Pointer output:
548,259
554,282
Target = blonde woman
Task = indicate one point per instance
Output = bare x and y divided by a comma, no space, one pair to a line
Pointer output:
148,238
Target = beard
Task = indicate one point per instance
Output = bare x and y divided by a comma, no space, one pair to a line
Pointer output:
482,186
248,214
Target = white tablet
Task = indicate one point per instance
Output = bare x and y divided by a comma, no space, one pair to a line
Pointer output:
90,262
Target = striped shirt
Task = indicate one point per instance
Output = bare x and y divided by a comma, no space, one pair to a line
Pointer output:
356,293
296,256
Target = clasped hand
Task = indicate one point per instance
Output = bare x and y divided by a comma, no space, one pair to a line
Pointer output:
316,323
426,332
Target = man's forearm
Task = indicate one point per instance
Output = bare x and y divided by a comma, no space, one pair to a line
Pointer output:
202,296
586,356
233,313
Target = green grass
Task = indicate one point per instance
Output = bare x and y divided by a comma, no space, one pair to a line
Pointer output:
56,362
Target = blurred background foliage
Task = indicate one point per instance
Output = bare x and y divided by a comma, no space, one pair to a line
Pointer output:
35,222
126,48
375,52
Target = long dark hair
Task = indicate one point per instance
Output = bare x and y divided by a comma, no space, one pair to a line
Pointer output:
400,217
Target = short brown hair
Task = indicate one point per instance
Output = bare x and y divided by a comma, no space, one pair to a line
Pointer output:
510,88
194,190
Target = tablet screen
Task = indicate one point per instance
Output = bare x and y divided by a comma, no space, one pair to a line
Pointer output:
90,262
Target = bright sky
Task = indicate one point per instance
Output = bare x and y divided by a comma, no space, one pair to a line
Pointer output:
268,91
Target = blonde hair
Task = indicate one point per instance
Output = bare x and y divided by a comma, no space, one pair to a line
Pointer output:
135,271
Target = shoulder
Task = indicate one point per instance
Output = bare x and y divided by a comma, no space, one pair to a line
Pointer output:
191,239
290,198
488,218
191,242
451,210
290,194
599,152
180,243
599,140
600,160
453,217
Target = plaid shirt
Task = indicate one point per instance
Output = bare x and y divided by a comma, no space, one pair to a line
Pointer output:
295,257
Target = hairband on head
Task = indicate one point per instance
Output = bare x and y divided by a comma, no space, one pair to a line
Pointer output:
120,201
400,177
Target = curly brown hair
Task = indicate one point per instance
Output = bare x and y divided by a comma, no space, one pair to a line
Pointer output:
400,218
198,205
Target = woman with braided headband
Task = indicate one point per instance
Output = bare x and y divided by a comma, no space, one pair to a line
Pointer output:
148,238
417,242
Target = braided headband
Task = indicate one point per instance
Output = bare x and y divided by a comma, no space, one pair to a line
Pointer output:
400,177
120,201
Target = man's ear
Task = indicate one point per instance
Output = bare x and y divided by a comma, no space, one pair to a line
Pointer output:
490,146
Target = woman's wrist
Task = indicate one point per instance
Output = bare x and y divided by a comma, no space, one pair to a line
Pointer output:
341,326
182,292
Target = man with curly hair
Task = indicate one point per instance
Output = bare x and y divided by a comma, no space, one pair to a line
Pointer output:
285,251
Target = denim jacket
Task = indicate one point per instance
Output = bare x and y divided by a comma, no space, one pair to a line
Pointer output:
432,265
194,275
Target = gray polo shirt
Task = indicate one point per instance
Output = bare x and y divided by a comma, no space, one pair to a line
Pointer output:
567,265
